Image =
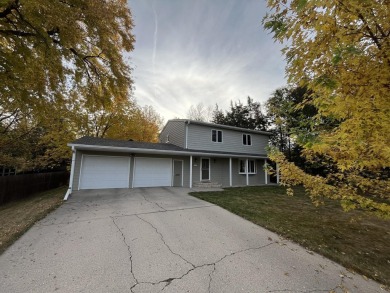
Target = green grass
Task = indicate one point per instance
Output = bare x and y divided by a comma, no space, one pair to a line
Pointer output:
356,240
18,216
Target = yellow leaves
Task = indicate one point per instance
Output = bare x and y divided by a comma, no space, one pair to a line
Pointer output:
340,52
354,190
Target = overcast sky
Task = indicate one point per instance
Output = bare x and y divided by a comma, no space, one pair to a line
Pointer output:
209,51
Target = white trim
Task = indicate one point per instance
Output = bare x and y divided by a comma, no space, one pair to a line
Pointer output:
81,166
265,171
87,155
69,191
133,169
230,172
173,171
191,171
201,169
130,184
160,152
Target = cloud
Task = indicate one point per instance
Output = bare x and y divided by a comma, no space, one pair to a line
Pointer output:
208,51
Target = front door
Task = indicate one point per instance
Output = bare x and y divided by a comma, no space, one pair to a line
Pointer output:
177,173
205,171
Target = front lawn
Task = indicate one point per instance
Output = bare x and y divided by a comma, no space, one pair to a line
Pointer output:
18,216
356,240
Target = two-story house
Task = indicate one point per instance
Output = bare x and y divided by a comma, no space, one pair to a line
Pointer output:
189,154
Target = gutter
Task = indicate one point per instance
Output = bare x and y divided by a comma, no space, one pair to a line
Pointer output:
69,191
160,152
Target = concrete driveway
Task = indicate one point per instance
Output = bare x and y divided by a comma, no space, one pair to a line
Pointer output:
161,239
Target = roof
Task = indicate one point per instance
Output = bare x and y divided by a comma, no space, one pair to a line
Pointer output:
90,140
114,145
188,121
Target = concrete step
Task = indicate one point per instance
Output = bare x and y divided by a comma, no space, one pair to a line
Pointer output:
206,184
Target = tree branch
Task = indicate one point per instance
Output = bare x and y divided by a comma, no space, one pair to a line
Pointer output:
17,33
8,10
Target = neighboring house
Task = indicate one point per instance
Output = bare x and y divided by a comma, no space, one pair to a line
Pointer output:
190,154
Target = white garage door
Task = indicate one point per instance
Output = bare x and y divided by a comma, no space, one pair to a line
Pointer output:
99,172
152,172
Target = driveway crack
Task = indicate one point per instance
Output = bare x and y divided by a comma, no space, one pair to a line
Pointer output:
211,264
211,278
129,251
169,281
152,202
163,240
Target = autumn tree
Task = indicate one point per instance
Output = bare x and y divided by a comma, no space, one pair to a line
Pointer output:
138,124
56,56
339,50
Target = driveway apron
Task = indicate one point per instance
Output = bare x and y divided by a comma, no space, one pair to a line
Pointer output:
162,240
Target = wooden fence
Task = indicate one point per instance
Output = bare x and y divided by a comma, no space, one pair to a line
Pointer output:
21,186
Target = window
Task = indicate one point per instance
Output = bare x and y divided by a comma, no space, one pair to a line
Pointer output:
251,167
216,135
246,139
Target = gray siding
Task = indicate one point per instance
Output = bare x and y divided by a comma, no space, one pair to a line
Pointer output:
254,179
195,169
219,170
199,137
176,131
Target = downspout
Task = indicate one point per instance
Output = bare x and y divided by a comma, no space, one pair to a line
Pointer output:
230,172
247,171
186,144
191,171
69,191
265,172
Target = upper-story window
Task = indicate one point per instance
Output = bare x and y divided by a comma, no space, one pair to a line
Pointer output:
216,135
246,139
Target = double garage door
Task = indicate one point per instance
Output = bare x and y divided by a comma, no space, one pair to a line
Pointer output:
99,172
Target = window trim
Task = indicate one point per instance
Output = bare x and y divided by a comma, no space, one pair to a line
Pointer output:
245,172
216,135
246,136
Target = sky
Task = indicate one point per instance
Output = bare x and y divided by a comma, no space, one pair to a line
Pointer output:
202,51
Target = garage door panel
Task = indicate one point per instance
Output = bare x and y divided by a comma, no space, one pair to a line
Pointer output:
152,172
99,172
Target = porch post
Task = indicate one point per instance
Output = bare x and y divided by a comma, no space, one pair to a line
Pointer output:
191,171
230,172
265,172
277,174
247,171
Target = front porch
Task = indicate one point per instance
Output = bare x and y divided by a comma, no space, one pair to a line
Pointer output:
227,171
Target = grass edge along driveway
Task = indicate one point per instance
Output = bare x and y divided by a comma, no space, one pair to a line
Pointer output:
17,217
357,241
